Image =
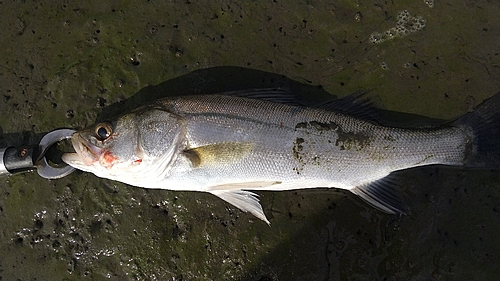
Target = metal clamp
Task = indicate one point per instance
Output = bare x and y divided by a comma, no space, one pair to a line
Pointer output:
13,160
3,168
43,168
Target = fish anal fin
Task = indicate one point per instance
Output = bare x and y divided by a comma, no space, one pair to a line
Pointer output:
382,194
218,153
243,200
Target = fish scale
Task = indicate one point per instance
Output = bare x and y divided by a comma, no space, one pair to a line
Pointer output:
275,134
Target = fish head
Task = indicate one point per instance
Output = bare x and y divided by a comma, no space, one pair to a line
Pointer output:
105,146
130,147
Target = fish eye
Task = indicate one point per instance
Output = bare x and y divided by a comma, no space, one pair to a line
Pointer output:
103,131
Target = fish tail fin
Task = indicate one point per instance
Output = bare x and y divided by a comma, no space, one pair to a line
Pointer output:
484,123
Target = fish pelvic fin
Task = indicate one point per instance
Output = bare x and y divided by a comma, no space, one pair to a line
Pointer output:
243,200
383,194
483,150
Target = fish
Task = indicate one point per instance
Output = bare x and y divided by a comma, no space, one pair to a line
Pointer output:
233,144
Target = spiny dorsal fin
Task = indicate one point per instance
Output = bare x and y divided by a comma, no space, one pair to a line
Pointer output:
277,95
244,200
219,153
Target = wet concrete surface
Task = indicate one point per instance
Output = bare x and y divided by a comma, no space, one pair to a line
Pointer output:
66,64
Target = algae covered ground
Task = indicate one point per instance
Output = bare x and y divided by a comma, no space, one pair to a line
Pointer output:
66,64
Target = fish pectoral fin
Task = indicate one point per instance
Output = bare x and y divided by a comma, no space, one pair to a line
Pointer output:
382,194
244,200
218,153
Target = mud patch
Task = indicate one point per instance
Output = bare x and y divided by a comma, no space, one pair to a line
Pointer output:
355,141
343,139
298,154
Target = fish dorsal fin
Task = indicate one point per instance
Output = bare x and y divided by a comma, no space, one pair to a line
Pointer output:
382,194
244,200
218,153
355,104
277,95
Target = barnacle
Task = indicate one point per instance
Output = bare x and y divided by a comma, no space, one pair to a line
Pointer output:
406,24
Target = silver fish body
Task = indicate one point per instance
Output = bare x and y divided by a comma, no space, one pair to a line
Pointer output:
227,145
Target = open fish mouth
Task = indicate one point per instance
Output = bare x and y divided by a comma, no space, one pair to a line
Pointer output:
86,153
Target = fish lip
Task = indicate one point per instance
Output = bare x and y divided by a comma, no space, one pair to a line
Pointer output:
88,152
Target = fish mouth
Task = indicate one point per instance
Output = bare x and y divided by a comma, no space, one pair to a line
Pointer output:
86,153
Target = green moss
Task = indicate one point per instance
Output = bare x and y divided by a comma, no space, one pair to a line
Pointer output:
62,64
